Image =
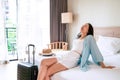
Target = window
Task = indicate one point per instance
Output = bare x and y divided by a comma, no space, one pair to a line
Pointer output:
34,24
11,27
11,40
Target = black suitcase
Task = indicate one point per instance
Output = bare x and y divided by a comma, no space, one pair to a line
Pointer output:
28,70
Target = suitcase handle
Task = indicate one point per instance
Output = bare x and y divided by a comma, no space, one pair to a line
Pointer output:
32,45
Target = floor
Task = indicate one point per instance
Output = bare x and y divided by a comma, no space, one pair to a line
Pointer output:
8,71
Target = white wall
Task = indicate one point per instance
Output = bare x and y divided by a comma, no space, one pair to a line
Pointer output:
100,13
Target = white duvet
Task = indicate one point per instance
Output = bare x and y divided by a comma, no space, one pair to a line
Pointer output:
94,73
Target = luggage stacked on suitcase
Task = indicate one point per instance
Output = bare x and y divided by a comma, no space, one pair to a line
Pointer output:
28,70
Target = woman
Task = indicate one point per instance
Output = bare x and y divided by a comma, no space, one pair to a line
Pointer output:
90,48
79,54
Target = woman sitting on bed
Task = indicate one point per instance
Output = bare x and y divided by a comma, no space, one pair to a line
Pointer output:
83,46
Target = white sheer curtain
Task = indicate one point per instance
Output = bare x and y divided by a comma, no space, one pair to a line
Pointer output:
3,44
33,25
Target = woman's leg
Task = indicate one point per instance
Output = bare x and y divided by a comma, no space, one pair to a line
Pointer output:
90,47
54,69
45,64
85,54
94,50
96,54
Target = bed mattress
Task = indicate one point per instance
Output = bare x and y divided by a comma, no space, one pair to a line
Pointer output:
94,73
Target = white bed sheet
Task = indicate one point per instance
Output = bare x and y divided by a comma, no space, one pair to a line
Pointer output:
38,58
94,73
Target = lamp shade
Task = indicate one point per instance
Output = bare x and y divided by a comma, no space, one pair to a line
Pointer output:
66,17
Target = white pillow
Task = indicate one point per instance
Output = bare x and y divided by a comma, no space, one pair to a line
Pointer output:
108,45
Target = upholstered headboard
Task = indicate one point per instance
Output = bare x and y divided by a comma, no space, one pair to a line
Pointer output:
107,31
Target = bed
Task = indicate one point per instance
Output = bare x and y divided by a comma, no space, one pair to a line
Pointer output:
95,72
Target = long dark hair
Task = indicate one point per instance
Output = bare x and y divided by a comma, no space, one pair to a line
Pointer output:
90,31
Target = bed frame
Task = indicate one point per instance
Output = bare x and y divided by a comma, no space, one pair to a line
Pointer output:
107,31
79,75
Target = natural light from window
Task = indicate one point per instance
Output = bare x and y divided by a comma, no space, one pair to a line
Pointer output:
33,24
